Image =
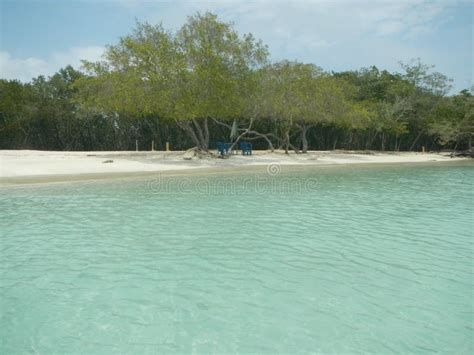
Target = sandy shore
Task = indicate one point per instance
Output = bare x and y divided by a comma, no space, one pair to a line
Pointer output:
29,166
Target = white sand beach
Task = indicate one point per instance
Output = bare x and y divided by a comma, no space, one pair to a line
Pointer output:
18,166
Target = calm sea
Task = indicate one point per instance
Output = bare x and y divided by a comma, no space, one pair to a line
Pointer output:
326,260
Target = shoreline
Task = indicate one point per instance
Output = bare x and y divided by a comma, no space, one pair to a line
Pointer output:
20,167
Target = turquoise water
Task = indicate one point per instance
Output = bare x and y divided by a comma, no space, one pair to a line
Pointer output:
325,260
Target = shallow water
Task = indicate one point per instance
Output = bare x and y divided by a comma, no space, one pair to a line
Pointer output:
352,259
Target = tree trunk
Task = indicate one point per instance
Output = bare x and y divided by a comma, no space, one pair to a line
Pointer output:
261,135
203,138
371,142
304,139
415,141
199,135
206,133
246,131
250,131
287,141
188,129
349,143
399,144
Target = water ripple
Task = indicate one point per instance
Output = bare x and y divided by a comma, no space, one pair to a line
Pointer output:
376,260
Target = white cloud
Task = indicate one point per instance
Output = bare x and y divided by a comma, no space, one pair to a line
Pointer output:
301,29
24,69
335,34
332,18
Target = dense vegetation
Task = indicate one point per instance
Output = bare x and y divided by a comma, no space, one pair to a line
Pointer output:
206,83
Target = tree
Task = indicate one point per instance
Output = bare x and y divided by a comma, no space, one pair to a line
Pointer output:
428,88
41,113
420,75
15,113
302,96
205,82
452,120
199,72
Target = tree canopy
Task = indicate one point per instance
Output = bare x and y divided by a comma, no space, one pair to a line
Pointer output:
205,83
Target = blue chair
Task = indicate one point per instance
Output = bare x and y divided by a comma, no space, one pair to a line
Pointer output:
223,148
246,148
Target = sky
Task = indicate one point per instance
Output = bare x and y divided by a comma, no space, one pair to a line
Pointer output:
39,37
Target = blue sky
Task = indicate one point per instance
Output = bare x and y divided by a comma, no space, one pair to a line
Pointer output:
39,37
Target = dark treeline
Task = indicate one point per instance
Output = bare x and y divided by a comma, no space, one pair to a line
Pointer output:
205,83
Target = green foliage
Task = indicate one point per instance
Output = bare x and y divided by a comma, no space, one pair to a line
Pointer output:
421,77
219,66
452,120
202,70
16,104
205,82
